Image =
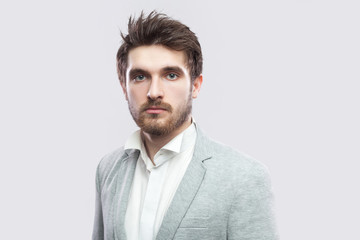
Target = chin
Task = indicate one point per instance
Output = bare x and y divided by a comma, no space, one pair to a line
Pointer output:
157,127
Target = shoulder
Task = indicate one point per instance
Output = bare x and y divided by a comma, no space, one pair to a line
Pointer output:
246,186
235,165
110,159
109,163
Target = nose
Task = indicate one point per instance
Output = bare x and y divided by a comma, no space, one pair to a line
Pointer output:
156,89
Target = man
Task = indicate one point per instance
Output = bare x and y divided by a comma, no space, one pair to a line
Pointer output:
170,181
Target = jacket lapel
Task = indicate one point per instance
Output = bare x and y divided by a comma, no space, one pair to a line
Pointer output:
124,182
187,189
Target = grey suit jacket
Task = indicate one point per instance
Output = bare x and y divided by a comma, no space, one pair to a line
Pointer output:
223,195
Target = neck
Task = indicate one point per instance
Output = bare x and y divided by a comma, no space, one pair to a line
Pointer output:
154,143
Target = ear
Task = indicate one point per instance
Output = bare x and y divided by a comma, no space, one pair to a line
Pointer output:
123,86
196,86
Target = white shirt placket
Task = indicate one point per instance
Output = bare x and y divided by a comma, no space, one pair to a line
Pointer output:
151,202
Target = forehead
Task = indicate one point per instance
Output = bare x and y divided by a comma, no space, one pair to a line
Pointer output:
155,57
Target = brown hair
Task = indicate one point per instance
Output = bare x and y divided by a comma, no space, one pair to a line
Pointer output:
158,28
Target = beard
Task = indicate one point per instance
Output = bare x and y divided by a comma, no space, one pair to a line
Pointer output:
155,124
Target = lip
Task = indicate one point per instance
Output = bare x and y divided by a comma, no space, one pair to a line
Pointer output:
155,110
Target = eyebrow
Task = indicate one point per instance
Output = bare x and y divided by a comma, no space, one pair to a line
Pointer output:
135,71
173,69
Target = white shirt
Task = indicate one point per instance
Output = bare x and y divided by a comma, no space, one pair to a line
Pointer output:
154,186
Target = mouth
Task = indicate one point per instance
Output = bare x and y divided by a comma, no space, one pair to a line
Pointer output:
155,110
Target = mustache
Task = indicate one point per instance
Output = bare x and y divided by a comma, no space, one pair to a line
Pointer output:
157,103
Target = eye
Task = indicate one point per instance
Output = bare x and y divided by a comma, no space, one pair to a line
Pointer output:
172,76
139,78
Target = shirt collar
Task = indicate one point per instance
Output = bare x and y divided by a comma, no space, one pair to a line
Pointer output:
134,141
178,144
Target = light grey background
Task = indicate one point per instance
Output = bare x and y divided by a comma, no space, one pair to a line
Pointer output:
281,83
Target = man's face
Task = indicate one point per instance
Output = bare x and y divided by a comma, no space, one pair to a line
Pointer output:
158,89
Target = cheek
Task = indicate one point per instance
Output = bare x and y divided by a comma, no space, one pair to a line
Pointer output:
136,96
137,93
180,94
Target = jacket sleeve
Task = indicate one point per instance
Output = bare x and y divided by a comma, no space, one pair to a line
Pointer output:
251,215
98,230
